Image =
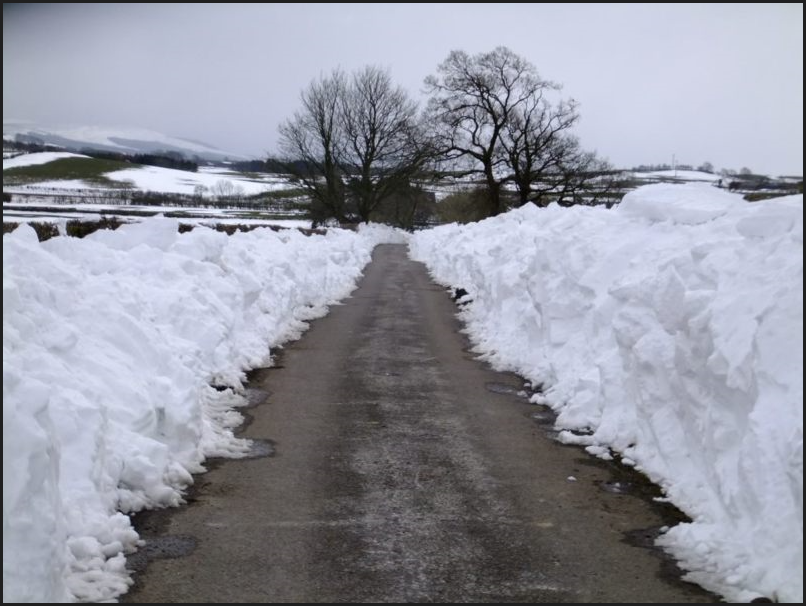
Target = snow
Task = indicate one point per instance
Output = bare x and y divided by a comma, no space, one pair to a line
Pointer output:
129,140
679,175
115,136
669,330
110,209
57,186
56,217
285,223
110,346
170,180
47,211
37,158
215,181
149,178
276,180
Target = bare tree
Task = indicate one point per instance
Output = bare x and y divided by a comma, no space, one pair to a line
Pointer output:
383,145
538,152
582,178
355,142
472,99
549,165
199,190
224,188
310,144
493,112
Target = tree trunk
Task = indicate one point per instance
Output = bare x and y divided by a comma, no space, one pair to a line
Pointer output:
523,194
493,191
495,199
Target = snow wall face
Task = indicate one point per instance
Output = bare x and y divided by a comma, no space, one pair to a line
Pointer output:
111,345
670,330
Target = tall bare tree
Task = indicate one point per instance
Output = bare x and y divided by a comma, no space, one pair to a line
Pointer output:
549,165
472,100
536,146
354,142
383,145
310,142
495,119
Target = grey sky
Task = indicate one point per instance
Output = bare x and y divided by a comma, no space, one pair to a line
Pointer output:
722,83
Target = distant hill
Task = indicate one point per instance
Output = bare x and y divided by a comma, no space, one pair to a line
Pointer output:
129,140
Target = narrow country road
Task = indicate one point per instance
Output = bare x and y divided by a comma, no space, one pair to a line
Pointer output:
404,470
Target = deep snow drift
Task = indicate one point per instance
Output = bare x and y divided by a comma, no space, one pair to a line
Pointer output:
110,346
669,329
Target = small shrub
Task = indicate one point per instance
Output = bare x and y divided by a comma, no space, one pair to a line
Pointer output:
44,231
464,206
79,229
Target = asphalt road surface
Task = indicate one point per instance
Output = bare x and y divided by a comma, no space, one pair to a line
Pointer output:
404,470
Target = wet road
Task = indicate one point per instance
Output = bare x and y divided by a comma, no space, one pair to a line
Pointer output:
404,470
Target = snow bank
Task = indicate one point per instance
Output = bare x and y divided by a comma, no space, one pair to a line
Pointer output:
110,346
669,329
37,158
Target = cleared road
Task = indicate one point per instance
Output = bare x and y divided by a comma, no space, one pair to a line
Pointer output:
404,470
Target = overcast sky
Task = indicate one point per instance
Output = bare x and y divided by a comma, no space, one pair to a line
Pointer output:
720,83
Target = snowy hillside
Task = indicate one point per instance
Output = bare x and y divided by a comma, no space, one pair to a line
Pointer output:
170,180
669,330
128,140
41,188
35,159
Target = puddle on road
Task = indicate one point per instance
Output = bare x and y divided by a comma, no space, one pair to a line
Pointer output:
616,487
544,417
644,537
504,389
256,397
160,548
260,449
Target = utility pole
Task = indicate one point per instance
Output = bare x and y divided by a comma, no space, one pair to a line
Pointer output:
674,166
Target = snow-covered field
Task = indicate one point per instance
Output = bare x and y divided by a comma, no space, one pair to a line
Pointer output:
209,182
170,180
211,220
669,330
42,209
37,158
215,181
110,346
677,175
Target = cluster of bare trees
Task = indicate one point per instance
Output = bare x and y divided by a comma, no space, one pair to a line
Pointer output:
358,140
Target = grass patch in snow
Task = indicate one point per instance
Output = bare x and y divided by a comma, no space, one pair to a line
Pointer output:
91,170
